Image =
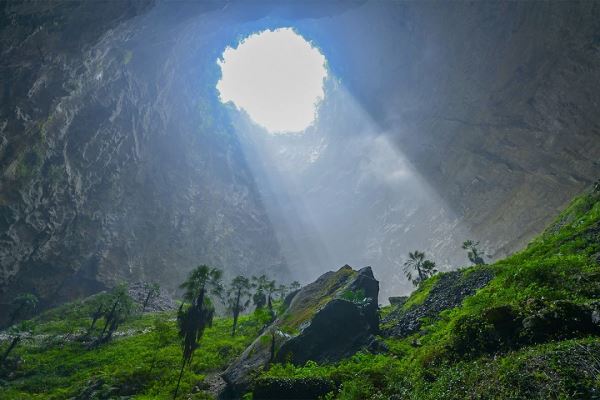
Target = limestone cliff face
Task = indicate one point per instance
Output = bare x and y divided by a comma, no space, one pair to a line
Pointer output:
497,104
115,164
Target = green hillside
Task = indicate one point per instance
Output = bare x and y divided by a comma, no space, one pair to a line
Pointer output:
528,327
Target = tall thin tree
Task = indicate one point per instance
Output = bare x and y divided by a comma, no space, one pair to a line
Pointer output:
259,298
197,311
152,292
238,298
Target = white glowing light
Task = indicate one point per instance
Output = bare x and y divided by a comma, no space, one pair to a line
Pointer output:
275,76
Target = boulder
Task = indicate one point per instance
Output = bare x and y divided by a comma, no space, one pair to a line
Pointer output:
327,320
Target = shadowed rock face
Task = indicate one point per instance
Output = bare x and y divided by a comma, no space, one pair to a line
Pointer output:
320,324
115,164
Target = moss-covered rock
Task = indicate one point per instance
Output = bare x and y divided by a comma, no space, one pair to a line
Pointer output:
322,323
437,294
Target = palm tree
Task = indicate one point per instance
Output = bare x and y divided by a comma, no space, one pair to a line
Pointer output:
417,263
259,298
238,298
264,293
295,286
282,290
197,311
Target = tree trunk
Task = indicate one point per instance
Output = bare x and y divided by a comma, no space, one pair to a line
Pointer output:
236,311
420,274
94,320
109,318
146,301
272,346
179,380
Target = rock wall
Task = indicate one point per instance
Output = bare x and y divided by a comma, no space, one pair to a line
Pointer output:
115,163
495,103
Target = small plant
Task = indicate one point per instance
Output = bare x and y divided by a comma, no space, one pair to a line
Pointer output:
418,263
357,297
295,285
474,254
265,288
152,292
120,308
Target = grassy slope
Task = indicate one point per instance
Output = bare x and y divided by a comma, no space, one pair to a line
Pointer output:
53,368
559,265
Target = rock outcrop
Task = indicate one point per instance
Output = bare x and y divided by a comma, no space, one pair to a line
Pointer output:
327,320
447,292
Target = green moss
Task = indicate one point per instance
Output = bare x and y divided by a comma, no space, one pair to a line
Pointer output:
420,295
304,310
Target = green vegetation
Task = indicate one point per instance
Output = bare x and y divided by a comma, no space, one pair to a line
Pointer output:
529,333
526,334
197,314
238,298
417,263
152,292
143,358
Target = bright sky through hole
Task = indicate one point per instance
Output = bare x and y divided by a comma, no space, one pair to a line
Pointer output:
277,77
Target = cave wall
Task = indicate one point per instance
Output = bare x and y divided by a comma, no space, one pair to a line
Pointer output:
496,104
116,164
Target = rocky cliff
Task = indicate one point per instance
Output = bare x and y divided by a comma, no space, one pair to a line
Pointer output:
115,163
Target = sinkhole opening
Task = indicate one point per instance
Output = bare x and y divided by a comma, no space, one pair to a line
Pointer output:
277,77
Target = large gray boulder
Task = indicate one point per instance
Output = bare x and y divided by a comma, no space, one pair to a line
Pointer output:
327,320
